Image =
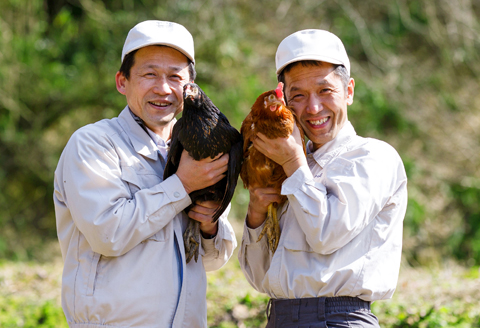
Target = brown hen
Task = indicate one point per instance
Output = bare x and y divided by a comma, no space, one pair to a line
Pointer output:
271,117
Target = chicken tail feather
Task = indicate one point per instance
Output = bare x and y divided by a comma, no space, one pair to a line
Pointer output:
234,167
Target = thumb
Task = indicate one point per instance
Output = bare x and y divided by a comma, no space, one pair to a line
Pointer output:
297,134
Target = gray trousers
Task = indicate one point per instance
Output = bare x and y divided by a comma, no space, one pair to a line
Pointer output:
320,312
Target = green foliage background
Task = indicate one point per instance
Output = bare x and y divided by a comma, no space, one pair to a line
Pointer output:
416,66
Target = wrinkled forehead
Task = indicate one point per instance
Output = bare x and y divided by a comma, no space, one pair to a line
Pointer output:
306,63
303,74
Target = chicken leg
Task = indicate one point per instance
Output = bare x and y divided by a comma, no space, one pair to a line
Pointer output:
271,228
191,240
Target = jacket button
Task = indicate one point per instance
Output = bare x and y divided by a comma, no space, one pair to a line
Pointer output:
176,194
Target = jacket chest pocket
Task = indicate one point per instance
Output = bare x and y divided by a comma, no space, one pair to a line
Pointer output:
139,179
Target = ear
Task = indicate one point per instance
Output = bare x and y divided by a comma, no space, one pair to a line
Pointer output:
350,91
120,81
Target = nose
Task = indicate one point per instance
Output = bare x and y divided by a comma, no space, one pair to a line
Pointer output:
162,87
314,105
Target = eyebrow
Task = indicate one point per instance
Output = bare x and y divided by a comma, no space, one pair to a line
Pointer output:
171,68
319,83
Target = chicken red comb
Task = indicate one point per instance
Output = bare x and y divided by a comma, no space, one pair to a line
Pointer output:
279,90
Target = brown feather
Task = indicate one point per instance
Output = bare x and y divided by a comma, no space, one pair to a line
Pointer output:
257,169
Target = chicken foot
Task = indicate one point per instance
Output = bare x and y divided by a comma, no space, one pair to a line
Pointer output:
271,228
191,240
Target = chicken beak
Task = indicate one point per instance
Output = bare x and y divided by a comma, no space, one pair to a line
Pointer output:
190,92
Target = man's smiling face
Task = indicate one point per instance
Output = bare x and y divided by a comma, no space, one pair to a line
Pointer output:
154,90
318,97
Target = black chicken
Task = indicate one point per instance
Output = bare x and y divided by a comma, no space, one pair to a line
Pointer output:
203,131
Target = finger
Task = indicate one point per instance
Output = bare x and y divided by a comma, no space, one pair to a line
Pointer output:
296,134
218,178
220,170
223,157
264,138
215,158
268,146
263,199
219,158
221,163
261,137
260,145
202,218
222,160
267,190
206,210
267,199
208,204
202,210
213,171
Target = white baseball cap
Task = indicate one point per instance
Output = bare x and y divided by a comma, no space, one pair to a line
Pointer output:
154,32
311,45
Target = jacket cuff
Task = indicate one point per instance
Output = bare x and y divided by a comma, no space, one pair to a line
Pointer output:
250,236
208,245
224,232
296,180
175,191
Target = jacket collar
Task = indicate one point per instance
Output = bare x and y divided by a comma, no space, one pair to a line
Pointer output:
140,139
331,149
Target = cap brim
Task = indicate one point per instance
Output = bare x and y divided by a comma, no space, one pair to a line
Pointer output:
309,57
161,44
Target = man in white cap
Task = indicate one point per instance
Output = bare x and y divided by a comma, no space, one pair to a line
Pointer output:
341,229
119,224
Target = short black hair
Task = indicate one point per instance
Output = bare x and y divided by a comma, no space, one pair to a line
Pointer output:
338,70
129,61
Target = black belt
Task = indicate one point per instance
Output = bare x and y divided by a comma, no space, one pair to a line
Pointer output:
320,305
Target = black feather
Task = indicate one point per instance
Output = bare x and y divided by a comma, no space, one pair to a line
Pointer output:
203,131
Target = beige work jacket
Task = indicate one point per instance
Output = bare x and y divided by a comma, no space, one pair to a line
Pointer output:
341,229
120,230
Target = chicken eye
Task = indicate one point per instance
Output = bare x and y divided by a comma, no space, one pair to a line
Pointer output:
271,98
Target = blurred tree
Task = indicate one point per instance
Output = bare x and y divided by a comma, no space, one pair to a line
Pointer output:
415,63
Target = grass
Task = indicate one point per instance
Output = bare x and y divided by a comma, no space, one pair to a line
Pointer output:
444,295
30,295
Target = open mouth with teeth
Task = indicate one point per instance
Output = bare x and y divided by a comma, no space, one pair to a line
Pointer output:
318,123
160,104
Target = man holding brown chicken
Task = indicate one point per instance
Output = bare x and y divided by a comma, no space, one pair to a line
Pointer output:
341,228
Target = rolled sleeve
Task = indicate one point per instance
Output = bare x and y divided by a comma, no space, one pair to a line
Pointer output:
254,257
250,236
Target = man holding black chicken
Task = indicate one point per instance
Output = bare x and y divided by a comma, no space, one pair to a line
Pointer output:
341,228
119,222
